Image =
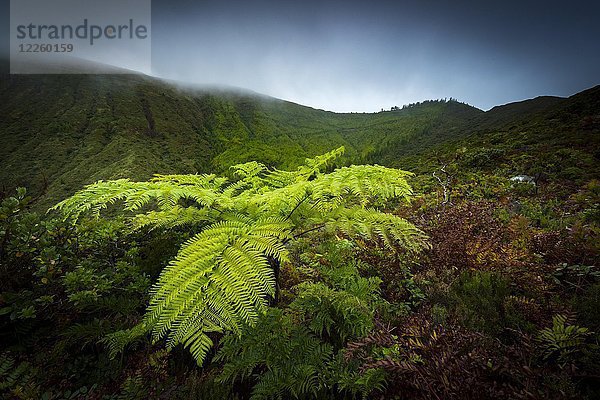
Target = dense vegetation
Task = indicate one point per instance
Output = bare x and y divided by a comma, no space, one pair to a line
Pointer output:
62,132
223,276
293,278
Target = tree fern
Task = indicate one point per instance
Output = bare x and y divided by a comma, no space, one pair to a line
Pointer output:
223,277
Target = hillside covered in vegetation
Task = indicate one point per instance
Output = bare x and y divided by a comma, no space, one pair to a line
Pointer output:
433,251
61,132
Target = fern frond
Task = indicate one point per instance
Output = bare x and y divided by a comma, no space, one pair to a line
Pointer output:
320,163
248,170
221,279
367,184
116,342
338,313
390,229
562,339
203,181
172,218
13,374
134,195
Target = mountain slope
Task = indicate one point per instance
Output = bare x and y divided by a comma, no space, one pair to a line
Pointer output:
540,137
60,132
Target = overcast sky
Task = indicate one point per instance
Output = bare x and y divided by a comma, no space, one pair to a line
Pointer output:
364,56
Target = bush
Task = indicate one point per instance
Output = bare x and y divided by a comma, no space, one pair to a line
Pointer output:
484,158
335,314
587,306
479,301
296,351
282,359
563,342
20,231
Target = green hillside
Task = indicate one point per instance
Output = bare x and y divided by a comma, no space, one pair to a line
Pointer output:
545,137
61,132
475,277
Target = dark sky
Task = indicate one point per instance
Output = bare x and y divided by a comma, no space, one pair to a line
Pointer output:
364,56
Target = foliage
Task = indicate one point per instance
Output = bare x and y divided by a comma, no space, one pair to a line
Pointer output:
343,311
337,314
86,287
290,354
467,319
287,360
16,378
562,341
296,351
17,229
73,285
484,158
425,360
222,277
480,300
576,276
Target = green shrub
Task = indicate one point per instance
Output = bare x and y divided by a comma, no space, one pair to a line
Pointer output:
562,342
439,314
20,231
587,306
484,158
337,314
479,301
297,352
282,359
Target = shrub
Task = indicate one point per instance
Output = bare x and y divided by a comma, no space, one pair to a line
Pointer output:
484,158
478,299
562,342
337,314
283,359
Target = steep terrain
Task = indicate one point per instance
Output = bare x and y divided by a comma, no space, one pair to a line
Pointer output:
543,137
59,132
